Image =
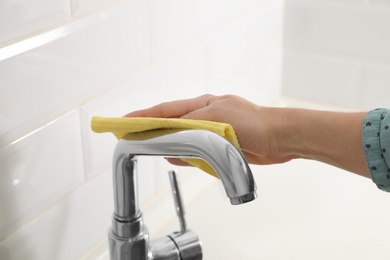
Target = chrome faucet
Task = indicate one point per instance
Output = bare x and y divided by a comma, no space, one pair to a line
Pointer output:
128,235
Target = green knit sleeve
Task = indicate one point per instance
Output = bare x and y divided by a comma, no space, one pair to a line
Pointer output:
376,145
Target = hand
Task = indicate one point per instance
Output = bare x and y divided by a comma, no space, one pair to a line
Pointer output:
253,124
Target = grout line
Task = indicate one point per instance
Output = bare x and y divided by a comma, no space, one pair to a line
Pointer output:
100,9
335,58
96,249
360,87
149,18
37,128
367,4
83,145
206,69
288,101
70,8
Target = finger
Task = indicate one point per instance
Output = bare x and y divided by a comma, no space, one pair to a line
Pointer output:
199,114
176,108
177,162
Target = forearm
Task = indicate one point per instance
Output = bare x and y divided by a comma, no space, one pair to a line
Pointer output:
334,138
277,135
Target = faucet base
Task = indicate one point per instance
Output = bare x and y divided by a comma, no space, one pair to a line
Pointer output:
128,240
177,246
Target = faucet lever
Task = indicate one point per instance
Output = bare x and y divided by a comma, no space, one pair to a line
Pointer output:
177,199
179,245
186,241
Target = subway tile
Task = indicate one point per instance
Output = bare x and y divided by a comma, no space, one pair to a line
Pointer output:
321,79
252,42
84,6
66,72
384,3
145,171
38,169
260,84
342,2
376,86
67,229
176,24
179,78
20,18
354,31
160,173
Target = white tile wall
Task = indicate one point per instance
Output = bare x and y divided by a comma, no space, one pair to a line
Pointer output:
380,2
376,85
39,169
260,84
340,2
109,57
84,6
349,31
63,62
161,83
252,42
68,228
100,64
75,68
176,24
320,79
342,61
18,17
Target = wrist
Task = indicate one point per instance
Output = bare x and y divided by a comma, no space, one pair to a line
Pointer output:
282,143
334,138
288,133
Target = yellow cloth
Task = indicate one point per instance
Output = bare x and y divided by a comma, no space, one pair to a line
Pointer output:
139,127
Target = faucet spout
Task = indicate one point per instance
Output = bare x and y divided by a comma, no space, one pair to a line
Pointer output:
220,154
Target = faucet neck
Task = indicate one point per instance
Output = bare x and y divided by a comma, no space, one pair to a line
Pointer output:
125,188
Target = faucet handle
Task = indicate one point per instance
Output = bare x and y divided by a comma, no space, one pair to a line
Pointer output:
186,241
179,207
180,245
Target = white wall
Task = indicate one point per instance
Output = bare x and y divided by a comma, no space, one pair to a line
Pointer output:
337,52
63,62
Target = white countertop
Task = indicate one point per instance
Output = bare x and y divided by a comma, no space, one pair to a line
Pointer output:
304,210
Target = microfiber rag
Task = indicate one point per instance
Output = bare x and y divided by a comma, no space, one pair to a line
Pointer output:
123,126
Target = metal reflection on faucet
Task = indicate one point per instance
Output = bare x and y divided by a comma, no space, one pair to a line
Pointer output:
128,236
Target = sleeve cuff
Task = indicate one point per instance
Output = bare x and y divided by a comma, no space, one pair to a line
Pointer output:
376,146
